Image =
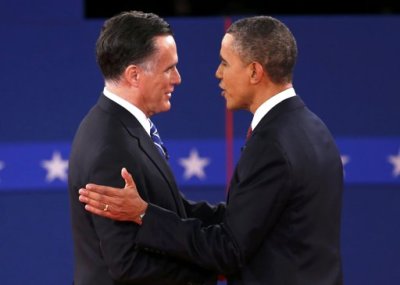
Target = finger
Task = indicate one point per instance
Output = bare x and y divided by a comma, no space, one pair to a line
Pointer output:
99,212
90,194
128,178
100,205
104,190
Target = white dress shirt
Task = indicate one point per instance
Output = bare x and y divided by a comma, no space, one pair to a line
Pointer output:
135,111
269,104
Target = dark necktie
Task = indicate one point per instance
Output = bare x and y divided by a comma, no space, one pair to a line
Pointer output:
248,135
157,140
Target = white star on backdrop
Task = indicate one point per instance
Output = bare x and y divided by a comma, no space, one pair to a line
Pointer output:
194,165
56,167
395,160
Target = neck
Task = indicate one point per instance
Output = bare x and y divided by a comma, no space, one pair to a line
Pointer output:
123,91
264,94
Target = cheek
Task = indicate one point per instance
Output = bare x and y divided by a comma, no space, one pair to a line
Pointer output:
232,82
232,78
162,84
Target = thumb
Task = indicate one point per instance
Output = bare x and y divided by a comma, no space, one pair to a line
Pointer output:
128,178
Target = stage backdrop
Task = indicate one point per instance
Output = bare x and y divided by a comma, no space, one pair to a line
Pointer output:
347,73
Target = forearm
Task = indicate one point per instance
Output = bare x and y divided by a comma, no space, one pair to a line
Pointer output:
126,262
207,213
211,247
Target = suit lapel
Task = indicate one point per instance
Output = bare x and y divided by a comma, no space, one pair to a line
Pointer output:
136,130
283,107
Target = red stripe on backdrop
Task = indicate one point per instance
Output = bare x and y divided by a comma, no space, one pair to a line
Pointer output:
228,130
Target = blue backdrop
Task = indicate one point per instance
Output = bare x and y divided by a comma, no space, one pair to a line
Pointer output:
347,73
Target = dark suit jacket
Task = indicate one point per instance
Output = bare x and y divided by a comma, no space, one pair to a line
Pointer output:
282,221
108,139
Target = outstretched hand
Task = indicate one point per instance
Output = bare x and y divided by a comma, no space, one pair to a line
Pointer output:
115,203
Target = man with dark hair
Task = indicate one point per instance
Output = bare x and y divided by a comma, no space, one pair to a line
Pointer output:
137,55
281,224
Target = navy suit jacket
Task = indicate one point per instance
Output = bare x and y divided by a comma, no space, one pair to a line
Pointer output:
105,252
282,221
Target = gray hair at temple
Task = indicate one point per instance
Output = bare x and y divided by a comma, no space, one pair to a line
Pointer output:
268,41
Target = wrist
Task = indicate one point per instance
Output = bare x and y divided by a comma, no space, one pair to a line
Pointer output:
140,217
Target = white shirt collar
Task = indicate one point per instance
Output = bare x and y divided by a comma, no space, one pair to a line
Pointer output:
269,104
135,111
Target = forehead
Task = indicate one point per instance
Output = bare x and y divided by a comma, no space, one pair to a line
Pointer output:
227,42
164,40
166,51
165,43
228,52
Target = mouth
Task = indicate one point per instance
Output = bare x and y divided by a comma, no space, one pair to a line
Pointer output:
169,94
222,91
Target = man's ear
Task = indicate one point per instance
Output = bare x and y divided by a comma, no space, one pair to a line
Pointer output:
132,74
256,72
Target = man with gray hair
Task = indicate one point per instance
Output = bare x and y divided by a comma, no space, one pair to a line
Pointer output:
137,55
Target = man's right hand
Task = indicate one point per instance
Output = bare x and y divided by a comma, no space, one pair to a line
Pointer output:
115,203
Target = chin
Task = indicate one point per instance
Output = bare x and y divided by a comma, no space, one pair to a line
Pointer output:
230,106
234,108
166,107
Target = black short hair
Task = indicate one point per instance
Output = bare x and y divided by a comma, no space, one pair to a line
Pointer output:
268,41
128,38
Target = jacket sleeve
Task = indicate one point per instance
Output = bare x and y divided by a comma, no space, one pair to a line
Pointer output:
255,200
207,213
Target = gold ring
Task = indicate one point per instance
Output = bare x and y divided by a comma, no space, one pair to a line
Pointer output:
105,208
